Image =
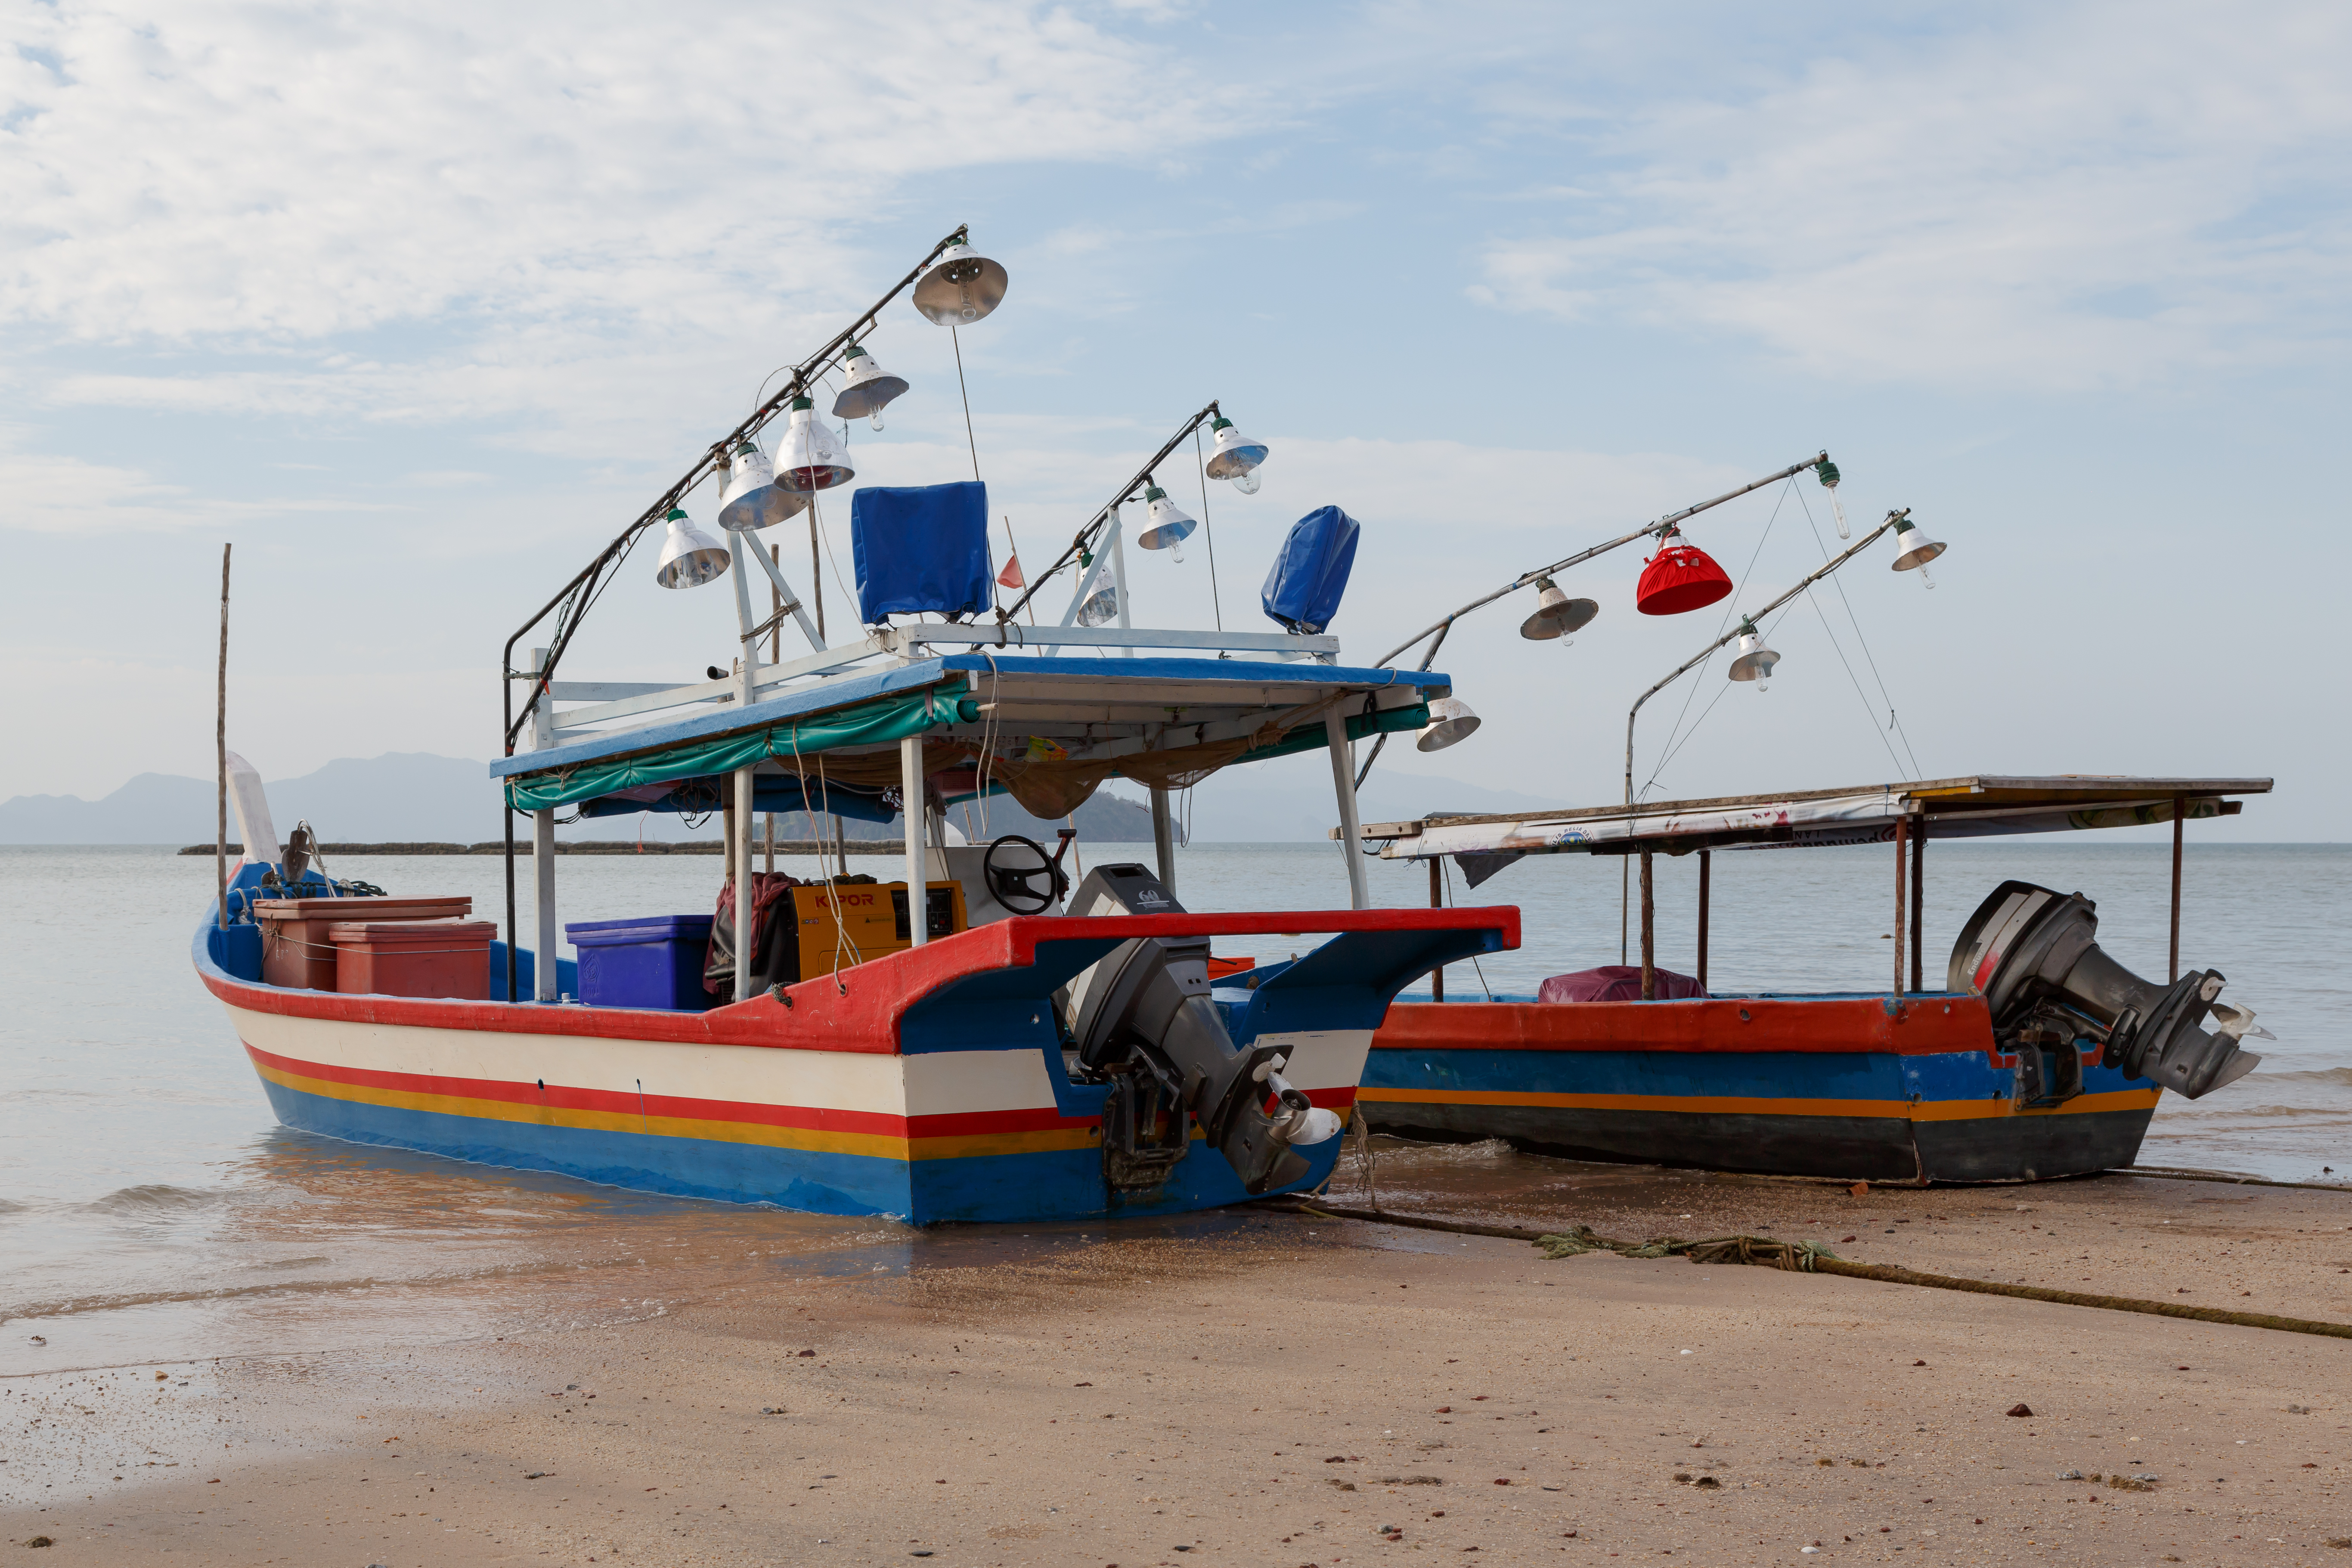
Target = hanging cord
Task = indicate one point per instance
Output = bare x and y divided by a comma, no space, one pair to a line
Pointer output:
831,887
988,738
1691,691
1868,716
972,440
1445,874
1014,546
1216,601
1891,721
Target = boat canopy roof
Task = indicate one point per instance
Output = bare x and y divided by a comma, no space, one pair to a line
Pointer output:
1973,807
1047,729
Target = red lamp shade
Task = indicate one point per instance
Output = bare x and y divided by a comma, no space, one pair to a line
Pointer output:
1679,578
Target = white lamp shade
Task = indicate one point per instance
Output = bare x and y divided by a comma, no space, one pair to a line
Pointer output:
1754,661
810,458
750,499
1166,526
961,288
1450,720
1914,548
1557,615
868,389
1236,456
689,557
1101,608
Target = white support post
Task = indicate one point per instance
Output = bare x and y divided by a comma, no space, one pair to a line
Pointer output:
784,592
1343,783
912,813
1119,567
1163,838
742,823
544,972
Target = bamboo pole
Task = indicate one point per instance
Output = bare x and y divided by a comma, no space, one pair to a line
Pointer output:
1649,934
220,757
1902,851
2179,809
1705,870
1437,900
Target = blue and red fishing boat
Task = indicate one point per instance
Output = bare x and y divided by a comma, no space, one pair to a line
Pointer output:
978,1040
2038,1056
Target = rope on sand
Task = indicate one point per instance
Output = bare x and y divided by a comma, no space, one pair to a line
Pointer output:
1812,1258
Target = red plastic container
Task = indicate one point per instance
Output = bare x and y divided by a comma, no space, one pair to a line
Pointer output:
295,950
414,958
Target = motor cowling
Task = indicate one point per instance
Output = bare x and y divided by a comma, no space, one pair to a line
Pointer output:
2030,952
1141,1016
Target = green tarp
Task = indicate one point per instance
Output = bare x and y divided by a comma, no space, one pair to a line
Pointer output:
868,724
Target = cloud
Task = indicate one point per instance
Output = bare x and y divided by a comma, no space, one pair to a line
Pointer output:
2099,195
225,171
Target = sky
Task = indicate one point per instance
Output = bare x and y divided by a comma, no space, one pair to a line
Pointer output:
418,306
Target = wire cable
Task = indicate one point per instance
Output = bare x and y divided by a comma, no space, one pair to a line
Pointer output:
1893,722
1216,601
969,438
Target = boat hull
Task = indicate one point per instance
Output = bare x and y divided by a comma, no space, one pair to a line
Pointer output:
1849,1088
928,1085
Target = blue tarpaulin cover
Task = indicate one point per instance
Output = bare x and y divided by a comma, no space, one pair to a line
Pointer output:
1302,593
920,550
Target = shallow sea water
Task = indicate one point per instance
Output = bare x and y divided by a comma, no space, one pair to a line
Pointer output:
151,1210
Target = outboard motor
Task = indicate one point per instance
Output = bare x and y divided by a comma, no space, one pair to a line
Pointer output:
2029,952
1142,1019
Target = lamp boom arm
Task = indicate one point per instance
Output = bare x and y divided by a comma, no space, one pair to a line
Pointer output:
1709,652
1085,538
583,587
1581,556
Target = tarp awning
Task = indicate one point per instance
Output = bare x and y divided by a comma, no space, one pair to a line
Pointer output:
1978,806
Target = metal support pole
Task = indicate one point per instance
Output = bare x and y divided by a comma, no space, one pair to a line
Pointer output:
1437,902
1649,934
1343,784
1704,871
2179,809
1163,838
743,823
1902,852
543,859
1919,899
911,813
220,756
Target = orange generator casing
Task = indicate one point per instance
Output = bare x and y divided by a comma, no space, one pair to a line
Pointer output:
872,921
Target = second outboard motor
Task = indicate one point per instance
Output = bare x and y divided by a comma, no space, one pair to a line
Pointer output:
2029,952
1142,1018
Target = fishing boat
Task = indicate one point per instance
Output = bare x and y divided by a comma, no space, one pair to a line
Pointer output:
2037,1057
979,1040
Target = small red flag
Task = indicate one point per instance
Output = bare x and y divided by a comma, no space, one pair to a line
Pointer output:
1011,577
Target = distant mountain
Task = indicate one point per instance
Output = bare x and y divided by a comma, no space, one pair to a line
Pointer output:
413,795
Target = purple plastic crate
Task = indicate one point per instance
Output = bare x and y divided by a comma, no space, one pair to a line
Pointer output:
651,961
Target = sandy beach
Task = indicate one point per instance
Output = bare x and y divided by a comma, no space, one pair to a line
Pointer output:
1277,1389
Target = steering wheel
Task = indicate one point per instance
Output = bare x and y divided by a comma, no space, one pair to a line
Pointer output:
1012,887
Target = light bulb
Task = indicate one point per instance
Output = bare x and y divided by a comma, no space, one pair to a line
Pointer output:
1176,550
1838,508
876,418
971,312
1927,576
1763,682
1246,482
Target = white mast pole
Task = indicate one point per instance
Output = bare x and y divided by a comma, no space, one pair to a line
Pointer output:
543,970
1343,783
912,812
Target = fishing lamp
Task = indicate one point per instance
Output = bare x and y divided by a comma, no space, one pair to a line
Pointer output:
961,288
1101,608
1557,616
811,459
1827,472
1679,578
867,389
1754,661
1450,720
1236,458
1169,527
1914,548
750,499
689,557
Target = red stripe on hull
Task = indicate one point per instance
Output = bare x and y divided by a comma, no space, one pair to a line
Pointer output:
1921,1026
861,1011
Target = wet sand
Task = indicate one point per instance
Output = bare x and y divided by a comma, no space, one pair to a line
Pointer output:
1276,1389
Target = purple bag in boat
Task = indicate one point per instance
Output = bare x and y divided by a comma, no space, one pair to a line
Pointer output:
1617,983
